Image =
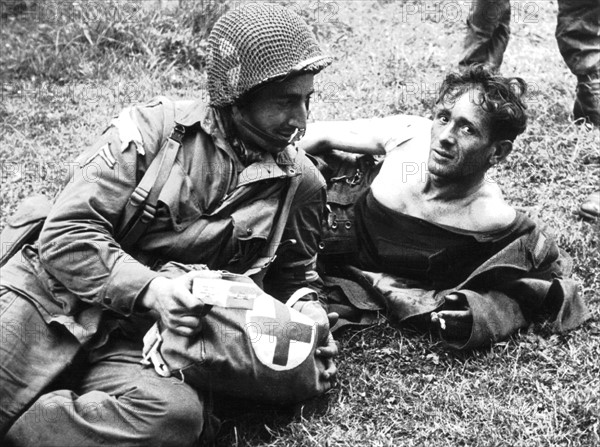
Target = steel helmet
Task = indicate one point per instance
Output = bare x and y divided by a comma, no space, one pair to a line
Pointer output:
257,43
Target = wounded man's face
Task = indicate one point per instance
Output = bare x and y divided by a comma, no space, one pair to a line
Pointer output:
460,138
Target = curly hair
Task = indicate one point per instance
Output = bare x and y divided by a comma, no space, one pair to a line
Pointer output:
502,99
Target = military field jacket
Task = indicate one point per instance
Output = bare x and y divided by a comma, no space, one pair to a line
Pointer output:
212,210
527,280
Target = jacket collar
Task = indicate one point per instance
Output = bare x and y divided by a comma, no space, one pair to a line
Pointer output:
193,113
200,113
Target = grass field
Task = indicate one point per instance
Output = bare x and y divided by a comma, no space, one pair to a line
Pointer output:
62,84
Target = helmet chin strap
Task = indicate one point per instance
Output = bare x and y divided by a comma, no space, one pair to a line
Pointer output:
269,138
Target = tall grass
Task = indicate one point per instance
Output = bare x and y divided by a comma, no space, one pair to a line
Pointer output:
62,41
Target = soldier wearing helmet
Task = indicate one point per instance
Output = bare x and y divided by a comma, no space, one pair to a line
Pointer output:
93,283
263,84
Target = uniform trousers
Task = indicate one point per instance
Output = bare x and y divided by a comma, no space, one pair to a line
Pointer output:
101,397
577,33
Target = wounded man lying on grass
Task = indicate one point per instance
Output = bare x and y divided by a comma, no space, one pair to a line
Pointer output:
426,234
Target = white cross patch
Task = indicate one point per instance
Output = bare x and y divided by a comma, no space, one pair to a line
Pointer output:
281,337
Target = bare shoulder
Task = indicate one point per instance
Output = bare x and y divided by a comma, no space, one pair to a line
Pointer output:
490,212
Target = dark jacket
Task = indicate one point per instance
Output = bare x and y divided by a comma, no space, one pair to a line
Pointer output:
524,280
527,280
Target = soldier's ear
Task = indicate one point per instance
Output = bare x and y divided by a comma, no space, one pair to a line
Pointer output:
501,150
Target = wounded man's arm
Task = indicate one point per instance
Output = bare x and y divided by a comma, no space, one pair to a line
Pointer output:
373,136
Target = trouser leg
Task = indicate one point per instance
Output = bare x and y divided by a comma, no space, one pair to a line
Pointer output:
32,354
117,402
578,35
578,38
488,32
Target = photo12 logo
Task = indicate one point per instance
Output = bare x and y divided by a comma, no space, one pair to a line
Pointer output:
454,11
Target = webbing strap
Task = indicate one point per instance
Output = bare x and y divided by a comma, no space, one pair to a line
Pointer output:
141,206
273,243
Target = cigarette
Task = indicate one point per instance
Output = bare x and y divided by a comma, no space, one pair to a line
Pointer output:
293,137
442,323
436,318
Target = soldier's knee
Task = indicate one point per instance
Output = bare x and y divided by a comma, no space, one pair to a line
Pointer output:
181,422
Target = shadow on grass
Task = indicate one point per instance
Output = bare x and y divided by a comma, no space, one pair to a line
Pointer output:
243,422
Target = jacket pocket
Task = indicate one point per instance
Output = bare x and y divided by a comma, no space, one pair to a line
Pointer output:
348,178
183,353
252,227
24,226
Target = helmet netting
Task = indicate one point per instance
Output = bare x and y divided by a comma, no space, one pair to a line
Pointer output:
257,43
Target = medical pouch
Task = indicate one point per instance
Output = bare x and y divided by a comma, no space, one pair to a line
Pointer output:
250,346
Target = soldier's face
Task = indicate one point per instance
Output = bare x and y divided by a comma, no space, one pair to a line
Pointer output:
278,109
460,138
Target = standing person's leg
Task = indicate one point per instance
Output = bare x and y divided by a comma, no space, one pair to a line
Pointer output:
488,32
118,402
578,38
32,355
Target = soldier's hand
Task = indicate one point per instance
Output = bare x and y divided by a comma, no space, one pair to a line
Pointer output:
455,320
327,349
328,352
325,356
172,299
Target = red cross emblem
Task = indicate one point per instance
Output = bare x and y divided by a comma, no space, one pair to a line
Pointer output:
285,332
282,337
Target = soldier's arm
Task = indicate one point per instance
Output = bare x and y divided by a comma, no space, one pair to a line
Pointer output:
78,244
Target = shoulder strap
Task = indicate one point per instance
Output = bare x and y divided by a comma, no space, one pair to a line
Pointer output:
141,206
273,244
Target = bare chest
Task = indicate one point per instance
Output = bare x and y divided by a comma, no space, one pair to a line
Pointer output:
401,189
400,183
408,199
